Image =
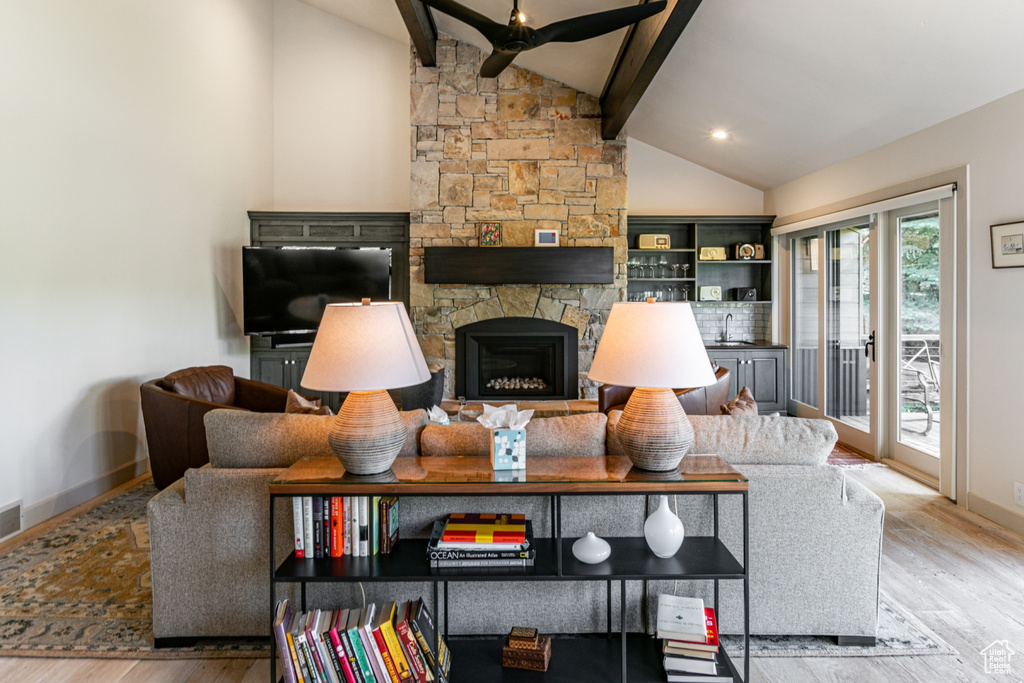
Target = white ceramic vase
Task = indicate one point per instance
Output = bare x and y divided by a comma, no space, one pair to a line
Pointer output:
663,530
591,549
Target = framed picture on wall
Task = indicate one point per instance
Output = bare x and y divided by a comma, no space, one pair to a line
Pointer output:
545,238
490,234
1008,245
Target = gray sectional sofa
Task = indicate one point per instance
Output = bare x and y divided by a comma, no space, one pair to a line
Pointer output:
815,536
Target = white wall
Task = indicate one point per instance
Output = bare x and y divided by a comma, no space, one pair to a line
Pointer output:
664,184
341,114
133,138
991,140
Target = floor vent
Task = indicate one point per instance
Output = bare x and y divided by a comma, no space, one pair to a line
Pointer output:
10,520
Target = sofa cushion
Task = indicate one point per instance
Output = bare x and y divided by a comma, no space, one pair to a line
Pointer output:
743,404
213,383
764,440
572,435
297,404
241,439
752,440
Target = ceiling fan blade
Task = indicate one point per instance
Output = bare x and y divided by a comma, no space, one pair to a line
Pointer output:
496,63
592,25
488,28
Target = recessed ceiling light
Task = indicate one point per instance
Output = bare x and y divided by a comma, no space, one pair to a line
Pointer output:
719,134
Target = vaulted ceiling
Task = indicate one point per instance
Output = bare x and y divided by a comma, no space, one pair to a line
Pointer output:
799,85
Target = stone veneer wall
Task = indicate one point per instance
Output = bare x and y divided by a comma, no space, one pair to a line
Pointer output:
525,151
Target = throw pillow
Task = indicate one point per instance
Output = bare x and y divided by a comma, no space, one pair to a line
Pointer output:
743,404
297,403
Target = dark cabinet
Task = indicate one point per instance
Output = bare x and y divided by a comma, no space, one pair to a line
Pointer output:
284,368
762,370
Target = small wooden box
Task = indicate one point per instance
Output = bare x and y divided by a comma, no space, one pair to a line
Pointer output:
523,638
533,660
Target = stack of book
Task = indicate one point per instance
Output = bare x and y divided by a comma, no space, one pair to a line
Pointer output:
333,526
690,641
390,644
481,540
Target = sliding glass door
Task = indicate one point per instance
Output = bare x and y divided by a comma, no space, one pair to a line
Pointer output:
870,320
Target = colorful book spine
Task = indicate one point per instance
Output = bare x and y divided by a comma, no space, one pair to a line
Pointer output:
318,527
346,525
382,646
375,524
339,651
325,506
332,657
296,668
297,525
411,650
380,672
395,648
306,659
350,653
361,658
282,619
337,544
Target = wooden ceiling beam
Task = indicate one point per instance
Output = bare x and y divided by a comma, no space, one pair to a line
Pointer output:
643,51
421,29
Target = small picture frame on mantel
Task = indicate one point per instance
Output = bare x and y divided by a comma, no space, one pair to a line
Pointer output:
545,238
1008,245
490,234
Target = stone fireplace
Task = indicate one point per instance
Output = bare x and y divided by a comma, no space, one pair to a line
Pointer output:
515,359
524,151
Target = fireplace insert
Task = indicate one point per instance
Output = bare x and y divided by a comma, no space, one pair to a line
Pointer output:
516,359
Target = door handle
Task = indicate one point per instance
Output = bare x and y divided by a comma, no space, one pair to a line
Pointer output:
870,342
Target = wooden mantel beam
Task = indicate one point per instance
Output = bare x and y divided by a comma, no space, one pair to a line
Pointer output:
643,51
421,29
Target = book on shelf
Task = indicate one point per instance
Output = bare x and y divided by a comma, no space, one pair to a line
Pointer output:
297,527
681,618
307,526
408,642
364,526
686,647
679,677
378,635
689,665
388,523
380,672
337,544
326,507
484,528
339,650
522,551
391,639
341,628
362,657
282,618
375,525
422,624
346,525
318,527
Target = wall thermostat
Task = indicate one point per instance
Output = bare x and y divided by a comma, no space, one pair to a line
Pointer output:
710,293
651,241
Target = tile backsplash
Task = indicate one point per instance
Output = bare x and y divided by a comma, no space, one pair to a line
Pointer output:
750,322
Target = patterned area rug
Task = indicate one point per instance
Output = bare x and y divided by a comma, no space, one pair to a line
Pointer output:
899,633
83,590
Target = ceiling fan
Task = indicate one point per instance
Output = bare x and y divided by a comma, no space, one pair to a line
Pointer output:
516,37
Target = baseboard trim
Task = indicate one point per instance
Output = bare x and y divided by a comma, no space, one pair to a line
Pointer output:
1000,514
64,501
916,475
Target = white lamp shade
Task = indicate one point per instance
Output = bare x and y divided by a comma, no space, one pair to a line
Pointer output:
652,345
365,347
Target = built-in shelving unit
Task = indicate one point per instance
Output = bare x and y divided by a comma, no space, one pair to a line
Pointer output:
650,269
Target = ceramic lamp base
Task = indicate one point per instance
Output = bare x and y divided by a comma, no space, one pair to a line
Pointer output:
368,432
654,430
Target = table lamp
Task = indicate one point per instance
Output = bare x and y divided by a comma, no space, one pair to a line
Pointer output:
653,347
365,349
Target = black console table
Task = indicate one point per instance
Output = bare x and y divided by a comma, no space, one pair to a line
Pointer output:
636,656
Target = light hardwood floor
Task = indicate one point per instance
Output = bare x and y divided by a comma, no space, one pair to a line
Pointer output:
960,574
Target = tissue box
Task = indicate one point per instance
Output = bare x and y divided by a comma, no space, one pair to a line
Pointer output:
508,449
508,476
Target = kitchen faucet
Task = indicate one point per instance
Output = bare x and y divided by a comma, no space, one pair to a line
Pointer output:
728,319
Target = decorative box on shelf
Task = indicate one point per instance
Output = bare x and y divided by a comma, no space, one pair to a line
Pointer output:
523,656
508,449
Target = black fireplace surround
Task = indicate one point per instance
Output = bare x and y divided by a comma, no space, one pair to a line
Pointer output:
515,359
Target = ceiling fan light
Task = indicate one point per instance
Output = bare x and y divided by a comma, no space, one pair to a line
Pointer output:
522,18
720,134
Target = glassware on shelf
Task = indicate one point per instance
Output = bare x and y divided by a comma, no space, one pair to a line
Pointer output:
675,270
686,268
651,263
663,267
686,292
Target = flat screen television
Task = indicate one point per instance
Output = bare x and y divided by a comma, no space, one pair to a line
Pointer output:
286,289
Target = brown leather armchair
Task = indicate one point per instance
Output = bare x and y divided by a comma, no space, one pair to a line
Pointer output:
697,401
173,410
